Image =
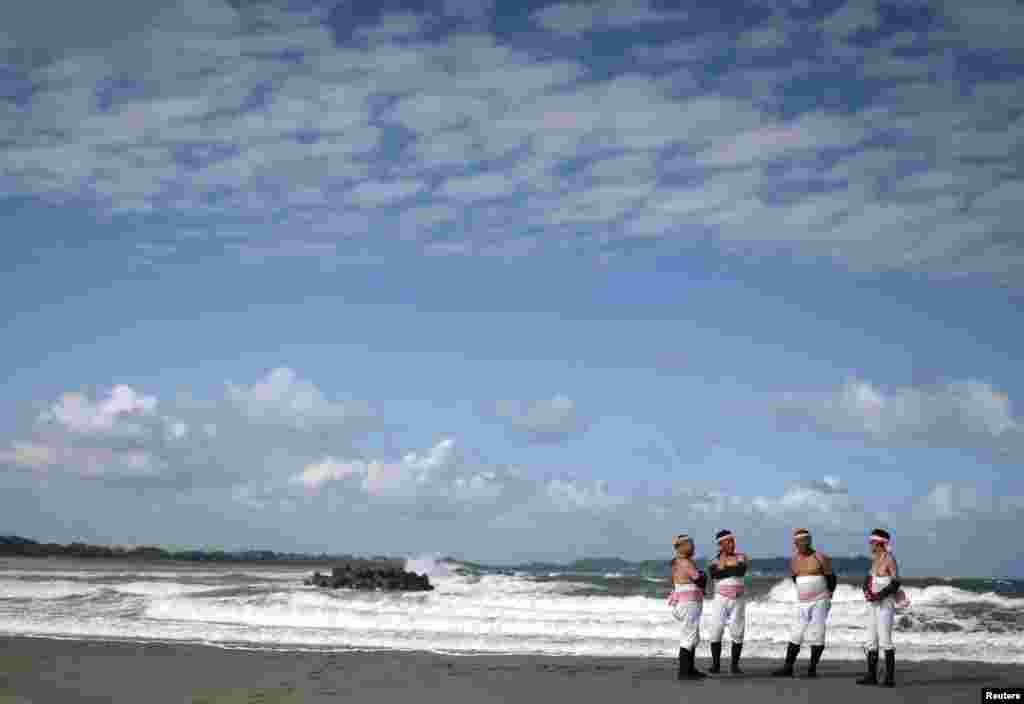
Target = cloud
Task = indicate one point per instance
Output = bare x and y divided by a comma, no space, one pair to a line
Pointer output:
964,414
128,437
572,496
901,163
382,477
823,502
852,17
577,19
552,420
282,397
78,414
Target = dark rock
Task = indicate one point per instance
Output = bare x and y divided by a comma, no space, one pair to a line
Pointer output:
387,578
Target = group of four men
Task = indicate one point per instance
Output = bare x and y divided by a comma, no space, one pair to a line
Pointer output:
815,583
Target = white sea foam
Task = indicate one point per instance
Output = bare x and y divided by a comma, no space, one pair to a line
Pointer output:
60,589
161,589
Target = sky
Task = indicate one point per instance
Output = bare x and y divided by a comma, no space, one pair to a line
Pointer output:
514,281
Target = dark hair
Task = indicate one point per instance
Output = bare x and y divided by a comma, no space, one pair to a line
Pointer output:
722,533
881,533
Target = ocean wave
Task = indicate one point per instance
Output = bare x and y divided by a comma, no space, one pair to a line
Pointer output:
482,613
58,589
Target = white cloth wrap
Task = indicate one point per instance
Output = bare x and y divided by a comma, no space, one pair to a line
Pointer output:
814,603
687,603
728,611
731,587
880,616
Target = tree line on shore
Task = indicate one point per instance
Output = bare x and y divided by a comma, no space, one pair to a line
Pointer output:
14,545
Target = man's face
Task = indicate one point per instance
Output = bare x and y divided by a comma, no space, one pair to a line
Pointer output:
728,546
684,548
802,544
877,549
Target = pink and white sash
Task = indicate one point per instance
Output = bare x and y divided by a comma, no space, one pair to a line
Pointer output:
683,593
877,584
812,588
730,587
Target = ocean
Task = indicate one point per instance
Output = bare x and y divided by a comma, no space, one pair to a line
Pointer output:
475,609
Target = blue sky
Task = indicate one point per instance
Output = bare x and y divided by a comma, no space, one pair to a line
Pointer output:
461,277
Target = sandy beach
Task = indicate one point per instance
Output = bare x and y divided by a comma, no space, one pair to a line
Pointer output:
46,671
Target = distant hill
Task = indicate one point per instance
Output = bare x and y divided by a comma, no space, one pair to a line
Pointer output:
16,540
15,545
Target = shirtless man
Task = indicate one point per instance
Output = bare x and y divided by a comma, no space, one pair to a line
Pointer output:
687,601
880,589
729,605
815,583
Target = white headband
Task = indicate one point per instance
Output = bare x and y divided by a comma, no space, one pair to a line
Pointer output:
877,539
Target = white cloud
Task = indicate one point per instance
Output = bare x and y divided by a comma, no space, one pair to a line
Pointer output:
988,24
824,502
30,456
549,420
442,473
392,26
852,17
576,19
967,414
78,414
282,397
372,194
483,186
573,496
474,101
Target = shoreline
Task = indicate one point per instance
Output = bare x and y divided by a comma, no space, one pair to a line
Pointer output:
34,670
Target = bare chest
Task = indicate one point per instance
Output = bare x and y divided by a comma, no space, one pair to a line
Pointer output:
807,565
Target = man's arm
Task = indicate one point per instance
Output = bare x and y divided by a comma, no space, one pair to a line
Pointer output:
714,571
830,578
894,583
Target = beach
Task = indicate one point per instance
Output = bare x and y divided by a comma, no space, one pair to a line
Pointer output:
50,671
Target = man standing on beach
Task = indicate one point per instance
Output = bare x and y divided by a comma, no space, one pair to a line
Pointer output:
729,605
815,583
881,590
687,602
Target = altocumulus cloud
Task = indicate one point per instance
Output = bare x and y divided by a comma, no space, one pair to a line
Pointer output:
408,126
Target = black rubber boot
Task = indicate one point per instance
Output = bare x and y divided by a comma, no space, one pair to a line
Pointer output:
737,648
786,670
872,674
890,668
716,658
686,669
816,651
694,673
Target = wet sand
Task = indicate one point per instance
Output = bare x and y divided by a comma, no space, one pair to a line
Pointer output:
46,671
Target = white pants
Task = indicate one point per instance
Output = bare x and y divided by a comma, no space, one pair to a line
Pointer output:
731,612
688,614
880,619
810,622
